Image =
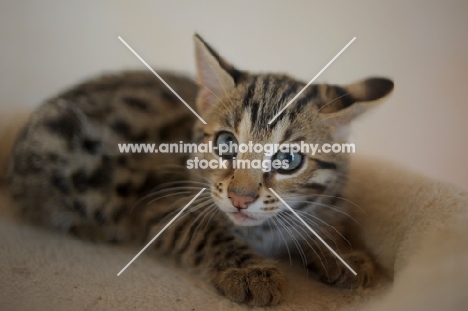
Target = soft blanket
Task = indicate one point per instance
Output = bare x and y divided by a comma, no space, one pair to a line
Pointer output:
416,227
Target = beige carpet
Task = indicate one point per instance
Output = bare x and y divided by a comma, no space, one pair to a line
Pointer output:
416,227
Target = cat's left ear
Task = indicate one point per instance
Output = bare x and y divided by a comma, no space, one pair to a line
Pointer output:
342,104
215,76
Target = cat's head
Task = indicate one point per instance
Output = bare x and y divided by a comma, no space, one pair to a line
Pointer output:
239,106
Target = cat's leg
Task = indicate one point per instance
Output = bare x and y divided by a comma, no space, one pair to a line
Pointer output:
208,247
332,271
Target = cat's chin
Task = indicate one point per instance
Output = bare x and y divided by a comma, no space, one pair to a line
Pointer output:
241,219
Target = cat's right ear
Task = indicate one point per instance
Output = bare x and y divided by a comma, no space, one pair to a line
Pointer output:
214,75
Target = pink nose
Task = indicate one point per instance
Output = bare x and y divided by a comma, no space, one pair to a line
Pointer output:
241,202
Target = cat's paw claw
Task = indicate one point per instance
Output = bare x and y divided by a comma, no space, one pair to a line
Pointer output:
260,285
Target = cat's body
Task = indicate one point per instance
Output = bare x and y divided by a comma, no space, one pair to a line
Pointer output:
66,172
71,143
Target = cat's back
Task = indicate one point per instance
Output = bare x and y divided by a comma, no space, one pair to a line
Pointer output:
135,105
125,101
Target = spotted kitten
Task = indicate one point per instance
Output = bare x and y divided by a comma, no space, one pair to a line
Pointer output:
66,172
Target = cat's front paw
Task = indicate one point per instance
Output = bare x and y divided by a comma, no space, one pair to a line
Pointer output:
339,275
258,285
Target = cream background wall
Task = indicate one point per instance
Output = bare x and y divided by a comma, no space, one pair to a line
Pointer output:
46,46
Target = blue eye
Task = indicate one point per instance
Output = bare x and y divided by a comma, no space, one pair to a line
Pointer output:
227,145
293,160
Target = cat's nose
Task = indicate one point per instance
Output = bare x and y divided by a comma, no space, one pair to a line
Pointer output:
239,201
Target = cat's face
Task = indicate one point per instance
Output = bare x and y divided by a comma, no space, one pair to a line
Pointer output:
238,106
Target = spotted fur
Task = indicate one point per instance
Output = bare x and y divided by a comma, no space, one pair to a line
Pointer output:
66,172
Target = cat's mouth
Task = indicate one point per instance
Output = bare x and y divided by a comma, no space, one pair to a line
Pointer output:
242,216
241,219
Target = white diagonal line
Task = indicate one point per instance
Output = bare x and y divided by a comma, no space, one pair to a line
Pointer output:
311,81
167,85
315,233
162,230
